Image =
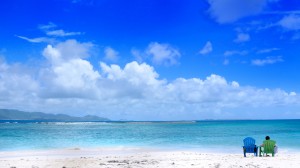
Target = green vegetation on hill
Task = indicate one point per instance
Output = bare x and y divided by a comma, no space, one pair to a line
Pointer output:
7,114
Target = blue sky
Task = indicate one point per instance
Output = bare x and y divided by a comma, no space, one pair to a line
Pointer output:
152,59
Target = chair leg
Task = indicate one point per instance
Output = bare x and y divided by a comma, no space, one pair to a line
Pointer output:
244,150
260,151
255,152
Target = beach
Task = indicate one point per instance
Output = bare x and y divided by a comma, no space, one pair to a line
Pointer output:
139,157
145,144
149,83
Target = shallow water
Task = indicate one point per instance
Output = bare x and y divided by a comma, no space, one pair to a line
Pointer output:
205,135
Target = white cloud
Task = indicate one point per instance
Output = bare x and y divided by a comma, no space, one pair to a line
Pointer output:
75,74
206,49
68,50
290,22
69,75
52,54
17,86
267,50
38,39
68,83
235,52
235,84
268,60
61,33
227,11
242,37
163,54
50,30
50,25
111,54
133,72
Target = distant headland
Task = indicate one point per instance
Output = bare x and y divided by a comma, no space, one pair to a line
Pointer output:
10,114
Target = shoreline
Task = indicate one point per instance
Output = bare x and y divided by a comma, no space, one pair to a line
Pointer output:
131,148
139,157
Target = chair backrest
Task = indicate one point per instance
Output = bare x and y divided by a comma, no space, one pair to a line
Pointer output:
249,145
269,146
249,141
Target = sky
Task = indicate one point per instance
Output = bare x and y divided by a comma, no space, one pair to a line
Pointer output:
152,59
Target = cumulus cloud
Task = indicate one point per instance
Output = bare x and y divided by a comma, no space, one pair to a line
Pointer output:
133,72
242,37
69,83
163,54
206,49
18,88
268,60
111,54
69,74
290,22
228,11
67,50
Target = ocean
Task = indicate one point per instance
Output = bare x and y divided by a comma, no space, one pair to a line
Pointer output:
222,136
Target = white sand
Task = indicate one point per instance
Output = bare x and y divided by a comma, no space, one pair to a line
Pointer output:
137,157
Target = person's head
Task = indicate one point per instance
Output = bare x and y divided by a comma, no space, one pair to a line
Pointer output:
267,138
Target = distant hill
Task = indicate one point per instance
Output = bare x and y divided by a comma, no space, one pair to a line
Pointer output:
7,114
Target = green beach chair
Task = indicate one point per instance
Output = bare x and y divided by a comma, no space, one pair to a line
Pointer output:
269,146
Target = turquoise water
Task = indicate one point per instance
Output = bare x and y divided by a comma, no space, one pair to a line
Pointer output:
205,135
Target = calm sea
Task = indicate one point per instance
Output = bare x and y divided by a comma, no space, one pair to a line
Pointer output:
197,135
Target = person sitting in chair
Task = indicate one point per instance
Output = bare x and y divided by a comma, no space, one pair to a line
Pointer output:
266,144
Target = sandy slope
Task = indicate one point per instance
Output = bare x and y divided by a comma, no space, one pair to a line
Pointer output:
134,157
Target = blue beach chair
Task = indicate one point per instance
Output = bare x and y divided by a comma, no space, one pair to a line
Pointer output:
249,146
